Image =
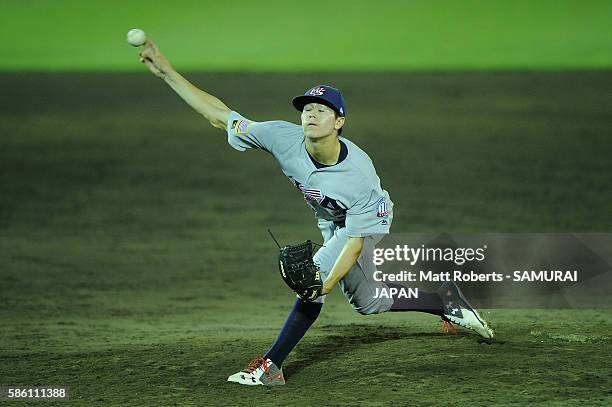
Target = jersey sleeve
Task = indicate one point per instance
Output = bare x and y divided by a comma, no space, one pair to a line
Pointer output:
243,134
370,215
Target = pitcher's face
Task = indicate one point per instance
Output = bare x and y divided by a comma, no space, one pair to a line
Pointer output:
319,120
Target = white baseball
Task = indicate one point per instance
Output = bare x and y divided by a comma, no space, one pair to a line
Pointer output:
136,37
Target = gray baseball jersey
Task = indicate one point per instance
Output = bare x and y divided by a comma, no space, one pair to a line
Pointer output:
347,199
348,192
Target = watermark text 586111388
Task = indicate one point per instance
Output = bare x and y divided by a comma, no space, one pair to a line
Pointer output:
33,393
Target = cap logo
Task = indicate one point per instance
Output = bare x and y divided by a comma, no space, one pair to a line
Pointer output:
317,91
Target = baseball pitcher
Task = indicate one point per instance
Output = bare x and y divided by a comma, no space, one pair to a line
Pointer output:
339,182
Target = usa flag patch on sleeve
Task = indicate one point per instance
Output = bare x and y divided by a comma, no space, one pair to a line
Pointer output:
382,210
242,126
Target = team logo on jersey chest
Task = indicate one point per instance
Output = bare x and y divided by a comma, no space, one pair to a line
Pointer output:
310,194
316,195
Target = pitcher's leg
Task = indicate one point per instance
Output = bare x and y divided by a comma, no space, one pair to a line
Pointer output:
359,286
302,316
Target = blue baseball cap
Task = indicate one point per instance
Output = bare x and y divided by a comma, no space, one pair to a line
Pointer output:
323,94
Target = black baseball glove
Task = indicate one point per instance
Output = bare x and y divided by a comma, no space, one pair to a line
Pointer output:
298,270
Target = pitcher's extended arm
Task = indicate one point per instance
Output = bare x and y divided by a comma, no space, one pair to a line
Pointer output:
214,110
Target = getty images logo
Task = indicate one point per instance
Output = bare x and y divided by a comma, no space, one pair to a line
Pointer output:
318,91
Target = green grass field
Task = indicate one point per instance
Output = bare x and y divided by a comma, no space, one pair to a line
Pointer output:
319,35
136,268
